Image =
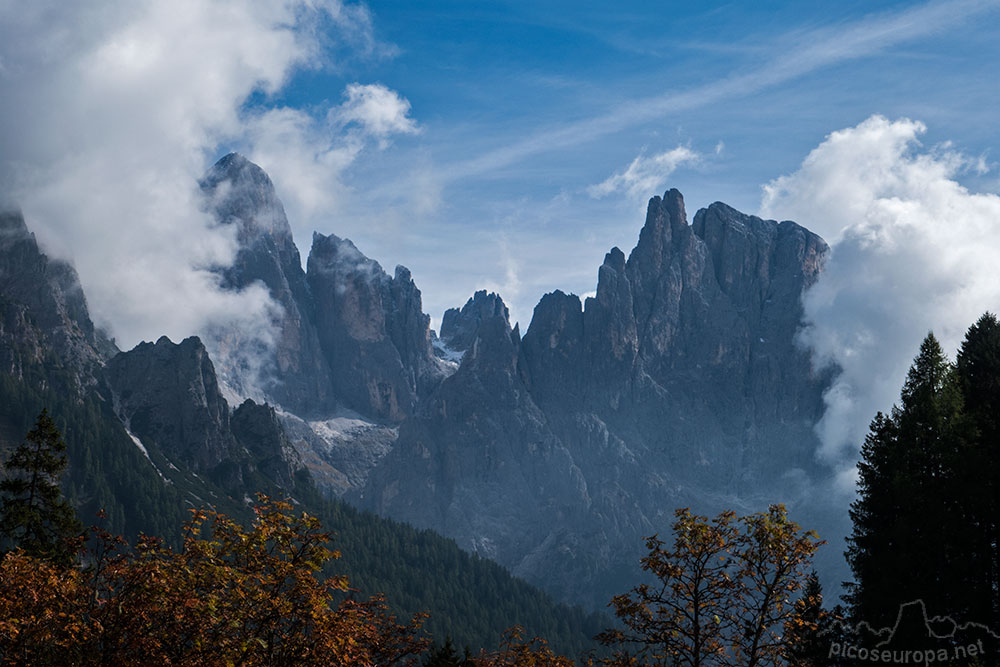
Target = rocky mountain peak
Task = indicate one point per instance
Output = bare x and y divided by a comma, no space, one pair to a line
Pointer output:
12,228
755,260
666,221
242,193
333,255
372,330
495,347
348,285
48,291
168,396
678,383
459,327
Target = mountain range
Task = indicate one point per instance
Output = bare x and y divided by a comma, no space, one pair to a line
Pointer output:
552,452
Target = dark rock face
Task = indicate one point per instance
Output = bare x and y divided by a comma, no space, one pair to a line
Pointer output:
678,384
459,327
22,344
44,295
258,429
373,331
168,396
352,350
484,455
241,194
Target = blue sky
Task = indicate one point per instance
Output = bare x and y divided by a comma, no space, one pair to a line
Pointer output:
509,146
523,106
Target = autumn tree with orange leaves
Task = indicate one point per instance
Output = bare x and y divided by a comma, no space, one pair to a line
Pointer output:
229,596
517,651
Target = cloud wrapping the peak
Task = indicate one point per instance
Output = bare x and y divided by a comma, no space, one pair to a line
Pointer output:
307,156
912,251
646,175
110,113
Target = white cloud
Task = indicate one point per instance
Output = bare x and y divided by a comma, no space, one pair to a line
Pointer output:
645,175
307,156
305,159
912,251
109,113
378,110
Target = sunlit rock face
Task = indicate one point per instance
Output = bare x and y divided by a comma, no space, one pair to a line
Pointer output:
372,330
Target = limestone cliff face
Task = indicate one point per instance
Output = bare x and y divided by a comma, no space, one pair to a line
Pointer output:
297,377
689,345
348,334
258,430
484,456
352,349
43,311
372,330
168,396
459,327
678,384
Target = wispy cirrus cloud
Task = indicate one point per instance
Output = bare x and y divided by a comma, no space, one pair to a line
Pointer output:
645,174
806,51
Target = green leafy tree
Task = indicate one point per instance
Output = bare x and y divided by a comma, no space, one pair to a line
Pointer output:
35,516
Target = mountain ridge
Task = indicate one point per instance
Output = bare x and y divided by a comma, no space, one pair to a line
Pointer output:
679,383
149,435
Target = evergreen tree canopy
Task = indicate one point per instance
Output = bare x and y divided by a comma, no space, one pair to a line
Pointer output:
925,521
810,631
35,516
907,524
978,366
446,656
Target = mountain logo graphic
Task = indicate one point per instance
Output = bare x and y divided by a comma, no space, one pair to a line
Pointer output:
914,638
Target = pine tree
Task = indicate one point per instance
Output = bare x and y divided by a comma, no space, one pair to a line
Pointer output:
910,532
446,656
978,368
33,514
872,537
809,632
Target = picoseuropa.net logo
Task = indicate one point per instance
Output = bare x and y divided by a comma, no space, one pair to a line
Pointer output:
915,639
906,656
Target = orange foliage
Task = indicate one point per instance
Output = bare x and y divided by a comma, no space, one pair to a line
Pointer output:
230,596
516,652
